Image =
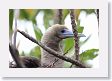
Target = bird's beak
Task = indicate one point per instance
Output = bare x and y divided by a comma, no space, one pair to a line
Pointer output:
81,35
69,34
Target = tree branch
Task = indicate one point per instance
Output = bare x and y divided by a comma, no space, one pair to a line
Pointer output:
12,47
16,15
15,33
77,63
97,14
58,16
15,55
74,28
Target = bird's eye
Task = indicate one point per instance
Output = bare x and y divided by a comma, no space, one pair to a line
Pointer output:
63,31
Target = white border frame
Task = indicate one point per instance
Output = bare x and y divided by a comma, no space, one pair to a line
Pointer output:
102,71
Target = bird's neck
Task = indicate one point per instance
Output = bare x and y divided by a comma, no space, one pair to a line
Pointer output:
53,44
49,59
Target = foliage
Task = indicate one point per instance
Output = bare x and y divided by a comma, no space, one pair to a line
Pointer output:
35,52
68,43
89,54
11,13
77,13
38,32
48,16
11,16
65,13
48,19
79,28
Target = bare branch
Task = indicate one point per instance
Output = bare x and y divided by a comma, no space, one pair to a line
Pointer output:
15,33
74,28
58,16
56,60
97,13
77,63
12,47
16,15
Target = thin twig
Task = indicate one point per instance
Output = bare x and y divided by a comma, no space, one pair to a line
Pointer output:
58,16
51,51
16,15
53,64
97,13
56,60
67,51
15,33
74,28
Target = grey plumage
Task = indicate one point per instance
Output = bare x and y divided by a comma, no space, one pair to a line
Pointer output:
52,38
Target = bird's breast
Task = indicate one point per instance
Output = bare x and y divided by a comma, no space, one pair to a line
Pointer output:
49,59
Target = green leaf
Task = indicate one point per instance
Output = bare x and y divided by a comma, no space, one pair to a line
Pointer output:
89,54
77,13
38,32
78,23
34,13
48,16
11,16
33,16
36,52
79,28
24,14
68,43
65,13
34,21
46,21
29,14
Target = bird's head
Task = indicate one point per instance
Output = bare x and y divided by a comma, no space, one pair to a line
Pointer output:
61,32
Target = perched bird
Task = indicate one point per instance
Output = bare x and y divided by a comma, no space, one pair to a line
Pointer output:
52,38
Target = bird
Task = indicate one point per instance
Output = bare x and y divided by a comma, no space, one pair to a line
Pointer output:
52,38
